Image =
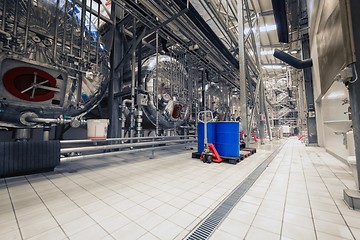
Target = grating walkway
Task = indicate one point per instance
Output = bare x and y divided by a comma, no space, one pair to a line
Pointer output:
298,196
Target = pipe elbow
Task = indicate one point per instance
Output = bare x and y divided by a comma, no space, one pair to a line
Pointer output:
292,61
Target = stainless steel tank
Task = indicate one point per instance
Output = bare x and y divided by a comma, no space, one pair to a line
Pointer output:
53,63
165,88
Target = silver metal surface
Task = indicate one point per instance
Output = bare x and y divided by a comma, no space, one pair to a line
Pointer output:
66,62
333,36
124,145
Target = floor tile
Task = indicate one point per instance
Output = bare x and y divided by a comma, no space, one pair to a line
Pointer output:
165,210
333,229
298,220
12,235
53,234
166,230
93,232
267,224
77,225
297,233
136,212
234,228
129,231
150,220
257,233
114,223
221,235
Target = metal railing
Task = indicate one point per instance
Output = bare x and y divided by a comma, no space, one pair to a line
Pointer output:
119,145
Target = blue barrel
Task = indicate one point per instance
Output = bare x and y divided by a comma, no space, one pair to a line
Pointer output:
228,139
211,134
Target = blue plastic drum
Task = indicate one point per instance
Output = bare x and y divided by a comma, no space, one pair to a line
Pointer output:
211,134
228,139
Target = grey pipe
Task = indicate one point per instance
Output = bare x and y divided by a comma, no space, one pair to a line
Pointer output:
292,61
112,153
121,139
106,147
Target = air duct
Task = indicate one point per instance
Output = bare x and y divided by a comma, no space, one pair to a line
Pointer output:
279,8
292,61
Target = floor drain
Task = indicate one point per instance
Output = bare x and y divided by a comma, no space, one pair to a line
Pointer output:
210,223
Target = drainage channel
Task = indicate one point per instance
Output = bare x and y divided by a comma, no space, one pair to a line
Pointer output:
209,224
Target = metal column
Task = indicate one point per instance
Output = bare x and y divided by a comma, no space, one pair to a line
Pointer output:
242,74
261,113
117,53
311,120
355,85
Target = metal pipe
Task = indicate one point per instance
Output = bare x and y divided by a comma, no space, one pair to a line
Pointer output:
72,27
56,29
3,16
267,121
114,153
98,37
64,28
16,18
292,61
156,84
123,139
133,79
124,145
242,72
45,120
261,115
81,51
27,25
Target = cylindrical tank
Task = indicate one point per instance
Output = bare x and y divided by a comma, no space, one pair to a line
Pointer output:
211,134
171,95
52,60
228,139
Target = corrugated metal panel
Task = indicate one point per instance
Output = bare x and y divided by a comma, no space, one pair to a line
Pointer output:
18,158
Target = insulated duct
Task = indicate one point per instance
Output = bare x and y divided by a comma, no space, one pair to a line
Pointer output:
292,61
279,8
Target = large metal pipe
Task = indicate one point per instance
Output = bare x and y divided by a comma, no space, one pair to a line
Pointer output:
82,157
242,73
123,139
292,61
106,147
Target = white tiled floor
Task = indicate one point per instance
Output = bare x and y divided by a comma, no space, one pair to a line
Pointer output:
299,196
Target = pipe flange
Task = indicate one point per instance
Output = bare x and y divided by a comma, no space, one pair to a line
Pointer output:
75,123
26,115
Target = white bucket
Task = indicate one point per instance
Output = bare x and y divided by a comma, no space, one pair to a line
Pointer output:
97,128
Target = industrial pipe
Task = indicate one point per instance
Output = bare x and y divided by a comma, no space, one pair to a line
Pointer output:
292,61
113,153
106,147
122,139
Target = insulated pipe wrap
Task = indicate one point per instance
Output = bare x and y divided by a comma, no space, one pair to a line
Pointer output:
292,61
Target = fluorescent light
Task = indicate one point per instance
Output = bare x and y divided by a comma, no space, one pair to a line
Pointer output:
294,51
267,52
266,28
272,67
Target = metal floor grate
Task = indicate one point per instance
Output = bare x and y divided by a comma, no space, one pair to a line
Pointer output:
209,224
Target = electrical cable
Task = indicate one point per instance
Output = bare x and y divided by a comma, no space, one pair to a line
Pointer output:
356,75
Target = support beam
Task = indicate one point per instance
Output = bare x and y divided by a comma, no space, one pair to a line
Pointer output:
309,92
242,73
355,85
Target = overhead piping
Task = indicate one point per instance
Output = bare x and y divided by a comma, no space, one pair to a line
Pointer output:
279,8
292,61
196,18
